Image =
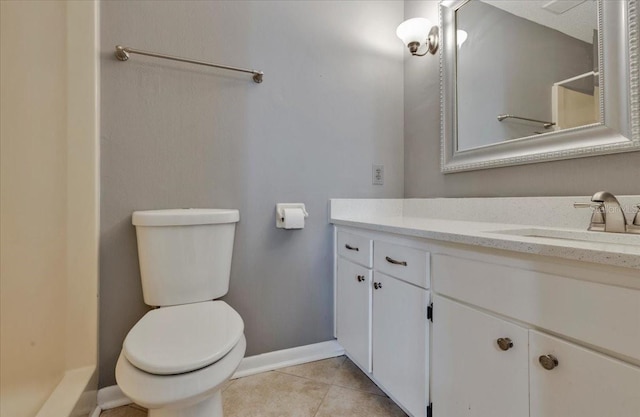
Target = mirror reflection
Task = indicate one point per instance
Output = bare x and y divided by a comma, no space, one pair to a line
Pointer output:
525,68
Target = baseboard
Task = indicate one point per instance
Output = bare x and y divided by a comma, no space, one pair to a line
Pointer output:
288,357
112,397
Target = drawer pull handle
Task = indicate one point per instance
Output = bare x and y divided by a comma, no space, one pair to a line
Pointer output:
360,278
548,362
348,246
393,261
505,343
377,285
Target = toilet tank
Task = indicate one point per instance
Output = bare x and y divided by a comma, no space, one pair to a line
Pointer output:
184,254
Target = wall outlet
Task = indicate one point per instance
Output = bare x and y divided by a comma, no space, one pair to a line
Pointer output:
377,174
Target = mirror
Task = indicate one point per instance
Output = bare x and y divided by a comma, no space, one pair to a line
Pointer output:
529,81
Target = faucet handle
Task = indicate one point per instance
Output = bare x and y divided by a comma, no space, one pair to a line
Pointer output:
634,227
597,218
587,205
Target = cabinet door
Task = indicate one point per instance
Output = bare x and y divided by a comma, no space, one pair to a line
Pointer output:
472,375
583,384
400,342
353,311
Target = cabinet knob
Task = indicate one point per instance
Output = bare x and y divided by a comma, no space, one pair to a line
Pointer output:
348,246
548,362
505,343
377,285
360,278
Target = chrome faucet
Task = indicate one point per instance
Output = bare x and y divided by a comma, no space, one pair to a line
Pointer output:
614,218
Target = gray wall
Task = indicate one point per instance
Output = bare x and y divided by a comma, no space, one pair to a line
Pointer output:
535,57
175,135
617,173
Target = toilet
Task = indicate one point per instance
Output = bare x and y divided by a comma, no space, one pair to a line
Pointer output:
176,359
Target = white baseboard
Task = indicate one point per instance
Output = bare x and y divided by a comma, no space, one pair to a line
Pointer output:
288,357
112,397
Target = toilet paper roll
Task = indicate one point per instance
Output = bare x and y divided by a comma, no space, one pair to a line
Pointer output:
293,218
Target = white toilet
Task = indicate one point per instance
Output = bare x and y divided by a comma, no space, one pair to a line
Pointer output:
175,360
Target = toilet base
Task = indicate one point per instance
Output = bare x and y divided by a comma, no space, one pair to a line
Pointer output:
209,407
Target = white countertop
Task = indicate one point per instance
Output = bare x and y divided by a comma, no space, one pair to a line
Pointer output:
485,234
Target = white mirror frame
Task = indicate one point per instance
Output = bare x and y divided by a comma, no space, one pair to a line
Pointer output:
619,105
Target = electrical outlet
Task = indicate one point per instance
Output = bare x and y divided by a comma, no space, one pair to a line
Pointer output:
378,174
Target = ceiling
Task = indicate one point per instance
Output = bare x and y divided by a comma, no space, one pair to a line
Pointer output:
577,22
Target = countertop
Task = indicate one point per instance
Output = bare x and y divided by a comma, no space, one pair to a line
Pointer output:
487,234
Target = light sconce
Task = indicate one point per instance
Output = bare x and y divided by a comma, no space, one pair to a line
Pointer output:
413,32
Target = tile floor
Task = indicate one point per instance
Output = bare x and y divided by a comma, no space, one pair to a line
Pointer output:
329,388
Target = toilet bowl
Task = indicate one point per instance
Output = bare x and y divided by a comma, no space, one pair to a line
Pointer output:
177,357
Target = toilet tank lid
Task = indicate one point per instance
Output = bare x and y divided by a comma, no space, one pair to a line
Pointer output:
184,217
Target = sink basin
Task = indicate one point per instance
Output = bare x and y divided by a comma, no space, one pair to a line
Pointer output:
575,235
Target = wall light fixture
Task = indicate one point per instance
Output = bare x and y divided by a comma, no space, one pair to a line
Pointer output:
461,36
413,32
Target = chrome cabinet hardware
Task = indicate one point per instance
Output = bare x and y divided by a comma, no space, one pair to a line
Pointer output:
504,343
360,278
348,246
377,285
548,362
393,261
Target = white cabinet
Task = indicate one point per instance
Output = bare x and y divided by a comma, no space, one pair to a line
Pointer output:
472,374
495,315
400,335
381,320
584,383
477,302
353,311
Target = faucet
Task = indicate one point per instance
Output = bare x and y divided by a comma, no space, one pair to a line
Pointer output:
613,216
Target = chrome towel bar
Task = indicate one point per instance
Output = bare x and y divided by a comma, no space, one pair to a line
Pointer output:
546,125
123,52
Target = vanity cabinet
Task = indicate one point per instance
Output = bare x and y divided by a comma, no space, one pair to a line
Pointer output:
583,384
400,341
353,311
472,374
479,304
511,335
381,315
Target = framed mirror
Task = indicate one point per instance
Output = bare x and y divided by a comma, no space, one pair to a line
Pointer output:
527,81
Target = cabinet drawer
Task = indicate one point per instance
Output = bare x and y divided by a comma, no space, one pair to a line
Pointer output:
407,264
584,383
599,314
355,248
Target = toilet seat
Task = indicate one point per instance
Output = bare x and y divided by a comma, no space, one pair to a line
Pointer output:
159,391
183,338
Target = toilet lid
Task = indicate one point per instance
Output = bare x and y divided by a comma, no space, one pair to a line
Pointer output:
183,338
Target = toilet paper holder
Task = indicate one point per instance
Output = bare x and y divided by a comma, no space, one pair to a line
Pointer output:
280,212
